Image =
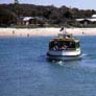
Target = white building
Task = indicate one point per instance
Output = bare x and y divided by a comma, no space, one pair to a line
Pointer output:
92,19
33,20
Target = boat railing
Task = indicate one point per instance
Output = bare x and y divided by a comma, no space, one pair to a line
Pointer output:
61,49
61,35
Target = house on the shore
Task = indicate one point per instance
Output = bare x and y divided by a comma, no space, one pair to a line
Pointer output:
85,21
33,21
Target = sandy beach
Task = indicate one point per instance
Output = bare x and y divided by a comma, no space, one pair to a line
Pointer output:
7,32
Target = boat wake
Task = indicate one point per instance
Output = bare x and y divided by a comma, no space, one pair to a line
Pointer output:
88,56
83,55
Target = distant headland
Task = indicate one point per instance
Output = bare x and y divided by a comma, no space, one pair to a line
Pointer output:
33,16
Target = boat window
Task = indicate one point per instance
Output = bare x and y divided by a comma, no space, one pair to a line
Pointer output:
71,45
77,45
62,45
53,45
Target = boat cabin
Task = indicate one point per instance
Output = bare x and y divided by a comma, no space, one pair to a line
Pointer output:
64,44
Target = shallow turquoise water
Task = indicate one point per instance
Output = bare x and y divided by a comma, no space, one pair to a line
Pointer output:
24,70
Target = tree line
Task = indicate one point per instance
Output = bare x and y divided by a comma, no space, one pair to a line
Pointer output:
10,13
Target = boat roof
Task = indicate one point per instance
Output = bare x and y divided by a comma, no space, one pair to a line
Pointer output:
65,39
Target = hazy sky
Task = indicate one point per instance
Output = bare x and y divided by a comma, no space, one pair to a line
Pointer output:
82,4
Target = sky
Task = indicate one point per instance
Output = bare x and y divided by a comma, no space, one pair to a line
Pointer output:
81,4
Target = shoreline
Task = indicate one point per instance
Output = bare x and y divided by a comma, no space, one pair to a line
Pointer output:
26,32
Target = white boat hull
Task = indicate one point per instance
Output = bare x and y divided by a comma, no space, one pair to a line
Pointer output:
64,54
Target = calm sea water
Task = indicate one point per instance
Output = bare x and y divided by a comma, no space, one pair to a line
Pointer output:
24,70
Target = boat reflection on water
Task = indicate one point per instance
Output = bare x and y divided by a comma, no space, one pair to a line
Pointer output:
64,47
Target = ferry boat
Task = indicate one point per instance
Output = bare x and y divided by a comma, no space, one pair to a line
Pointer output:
64,47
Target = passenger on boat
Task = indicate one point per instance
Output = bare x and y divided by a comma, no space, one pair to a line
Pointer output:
55,47
64,47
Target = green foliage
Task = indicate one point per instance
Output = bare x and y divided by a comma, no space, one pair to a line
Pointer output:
10,13
7,16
